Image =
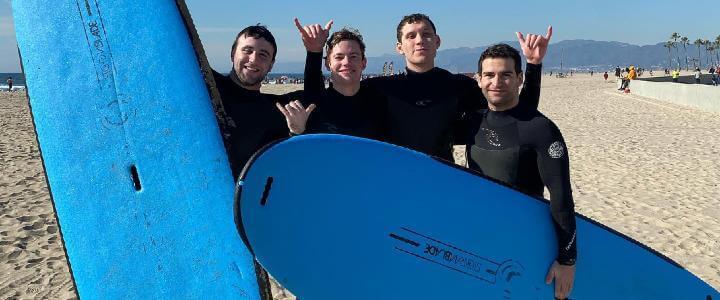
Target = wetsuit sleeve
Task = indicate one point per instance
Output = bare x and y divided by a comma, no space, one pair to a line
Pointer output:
314,83
554,167
530,93
470,99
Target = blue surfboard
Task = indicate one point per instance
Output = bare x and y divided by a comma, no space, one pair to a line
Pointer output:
131,147
361,219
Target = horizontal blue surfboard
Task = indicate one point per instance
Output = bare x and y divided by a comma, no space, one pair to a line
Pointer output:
338,217
134,159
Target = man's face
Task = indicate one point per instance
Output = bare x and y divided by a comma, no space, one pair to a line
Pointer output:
419,44
346,62
500,83
253,60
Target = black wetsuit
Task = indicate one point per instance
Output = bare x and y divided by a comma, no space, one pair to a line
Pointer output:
425,109
363,114
255,121
524,149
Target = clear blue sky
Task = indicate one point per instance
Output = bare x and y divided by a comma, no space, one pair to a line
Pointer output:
465,23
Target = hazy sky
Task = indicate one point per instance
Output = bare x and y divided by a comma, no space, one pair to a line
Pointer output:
466,23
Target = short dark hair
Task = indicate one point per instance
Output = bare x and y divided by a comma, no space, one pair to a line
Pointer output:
414,18
501,51
258,32
345,34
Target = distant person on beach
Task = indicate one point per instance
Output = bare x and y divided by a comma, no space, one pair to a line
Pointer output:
697,75
427,104
605,75
675,75
9,82
714,74
345,107
631,75
617,72
514,143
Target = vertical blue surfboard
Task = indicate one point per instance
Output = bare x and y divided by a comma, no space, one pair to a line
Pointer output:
362,219
132,151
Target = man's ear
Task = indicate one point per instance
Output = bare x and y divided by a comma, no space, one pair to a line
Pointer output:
327,63
437,38
398,48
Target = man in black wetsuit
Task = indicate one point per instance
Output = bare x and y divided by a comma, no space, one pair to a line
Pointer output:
255,121
426,104
516,144
345,107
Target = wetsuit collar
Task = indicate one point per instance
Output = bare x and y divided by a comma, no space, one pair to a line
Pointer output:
332,89
426,73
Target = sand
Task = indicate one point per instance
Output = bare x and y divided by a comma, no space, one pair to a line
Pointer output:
646,168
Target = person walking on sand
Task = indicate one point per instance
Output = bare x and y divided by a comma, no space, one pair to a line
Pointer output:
675,75
697,75
605,75
631,75
10,83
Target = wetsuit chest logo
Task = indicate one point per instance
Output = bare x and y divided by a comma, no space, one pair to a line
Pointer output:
556,150
492,137
423,103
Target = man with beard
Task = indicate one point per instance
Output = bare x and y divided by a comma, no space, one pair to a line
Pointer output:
255,121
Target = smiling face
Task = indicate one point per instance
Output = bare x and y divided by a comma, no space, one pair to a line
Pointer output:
346,61
500,83
418,43
252,60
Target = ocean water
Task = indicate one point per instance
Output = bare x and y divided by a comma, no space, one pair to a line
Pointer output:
18,78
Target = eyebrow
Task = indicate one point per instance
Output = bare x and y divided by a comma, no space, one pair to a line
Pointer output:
351,53
501,72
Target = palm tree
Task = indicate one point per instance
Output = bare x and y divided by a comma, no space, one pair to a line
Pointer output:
675,36
708,50
717,46
669,46
685,42
698,43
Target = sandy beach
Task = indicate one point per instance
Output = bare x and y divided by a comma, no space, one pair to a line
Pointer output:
646,168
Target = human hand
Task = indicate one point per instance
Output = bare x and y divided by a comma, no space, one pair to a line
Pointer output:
535,46
296,115
314,36
564,277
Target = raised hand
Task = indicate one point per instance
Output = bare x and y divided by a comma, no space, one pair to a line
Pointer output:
535,46
314,36
296,115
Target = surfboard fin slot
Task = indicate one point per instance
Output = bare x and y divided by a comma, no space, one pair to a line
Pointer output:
266,192
135,178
